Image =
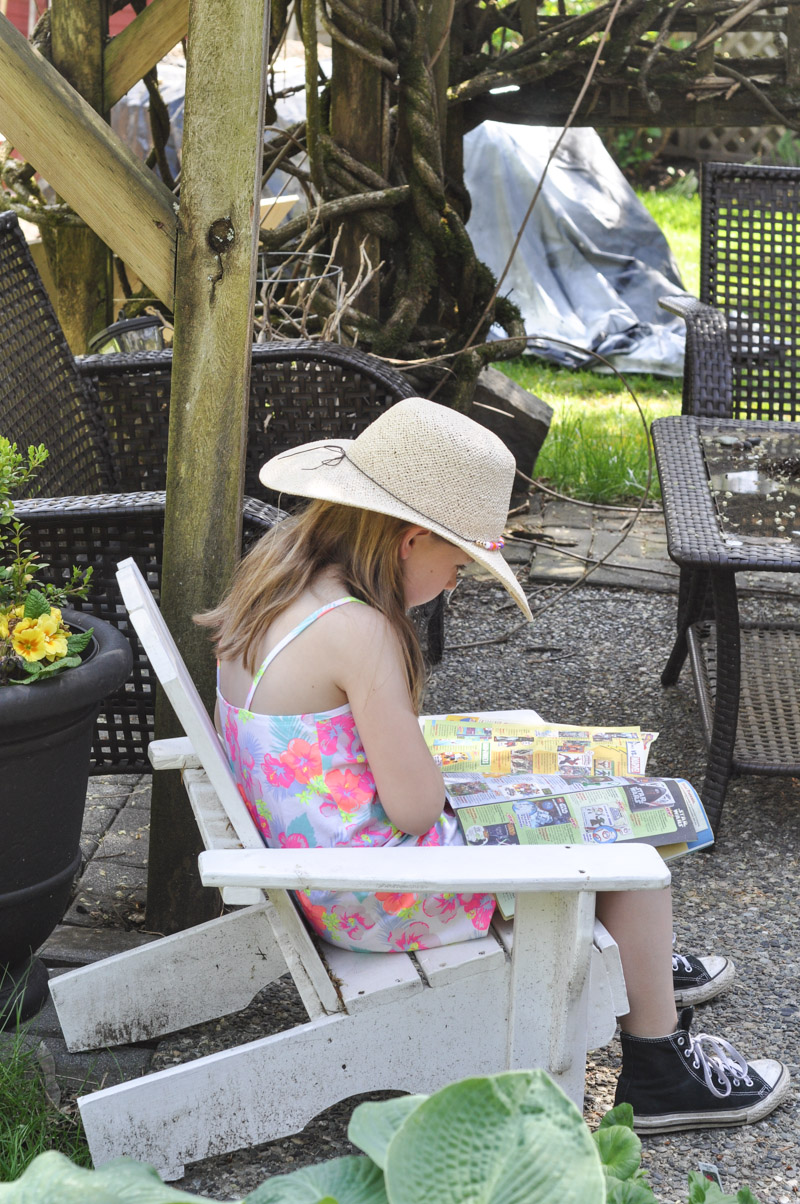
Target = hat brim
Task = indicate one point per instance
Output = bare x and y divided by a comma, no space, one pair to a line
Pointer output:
319,470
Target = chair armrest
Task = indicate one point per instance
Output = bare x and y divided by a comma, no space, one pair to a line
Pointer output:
523,868
708,367
259,514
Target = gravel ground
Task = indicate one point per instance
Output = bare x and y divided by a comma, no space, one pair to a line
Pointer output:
596,657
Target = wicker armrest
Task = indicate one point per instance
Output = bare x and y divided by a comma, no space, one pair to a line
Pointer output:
708,370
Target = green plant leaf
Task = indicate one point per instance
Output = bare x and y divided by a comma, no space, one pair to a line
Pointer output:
621,1115
629,1191
36,605
78,640
51,1176
348,1180
620,1150
39,672
512,1138
373,1125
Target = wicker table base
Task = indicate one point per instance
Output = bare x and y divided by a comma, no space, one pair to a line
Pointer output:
768,728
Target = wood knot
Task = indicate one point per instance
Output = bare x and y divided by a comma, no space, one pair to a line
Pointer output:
221,235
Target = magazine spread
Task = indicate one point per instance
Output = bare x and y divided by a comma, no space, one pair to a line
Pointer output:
470,743
520,783
544,809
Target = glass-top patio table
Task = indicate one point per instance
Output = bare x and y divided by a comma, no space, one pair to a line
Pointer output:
731,492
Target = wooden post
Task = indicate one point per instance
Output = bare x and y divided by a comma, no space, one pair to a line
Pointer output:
217,242
357,124
79,260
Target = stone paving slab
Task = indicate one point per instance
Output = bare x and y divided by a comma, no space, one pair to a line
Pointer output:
108,892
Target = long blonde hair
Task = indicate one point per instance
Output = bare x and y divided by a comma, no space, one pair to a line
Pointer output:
361,544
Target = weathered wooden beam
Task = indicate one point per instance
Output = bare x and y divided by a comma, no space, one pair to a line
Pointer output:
358,103
80,262
217,242
132,53
550,103
59,132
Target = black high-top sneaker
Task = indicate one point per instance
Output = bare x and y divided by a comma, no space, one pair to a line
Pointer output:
686,1081
698,979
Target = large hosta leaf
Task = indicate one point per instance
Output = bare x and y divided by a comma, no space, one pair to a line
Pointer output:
510,1138
348,1180
52,1177
373,1125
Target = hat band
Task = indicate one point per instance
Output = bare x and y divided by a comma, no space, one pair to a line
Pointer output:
490,545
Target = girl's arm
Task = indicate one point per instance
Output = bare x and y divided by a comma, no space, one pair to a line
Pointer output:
371,672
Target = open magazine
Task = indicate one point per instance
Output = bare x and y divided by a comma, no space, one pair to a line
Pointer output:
511,783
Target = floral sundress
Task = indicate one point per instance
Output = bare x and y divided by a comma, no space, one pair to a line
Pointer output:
306,783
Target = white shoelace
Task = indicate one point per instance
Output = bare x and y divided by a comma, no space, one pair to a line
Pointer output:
678,959
717,1057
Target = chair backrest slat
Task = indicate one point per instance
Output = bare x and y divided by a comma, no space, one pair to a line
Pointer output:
750,269
302,958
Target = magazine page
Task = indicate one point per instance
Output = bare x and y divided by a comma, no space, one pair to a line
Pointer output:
704,837
467,743
536,809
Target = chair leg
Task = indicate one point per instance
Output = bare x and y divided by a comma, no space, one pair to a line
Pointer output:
274,1086
192,976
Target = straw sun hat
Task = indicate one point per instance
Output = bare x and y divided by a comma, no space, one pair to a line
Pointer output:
421,462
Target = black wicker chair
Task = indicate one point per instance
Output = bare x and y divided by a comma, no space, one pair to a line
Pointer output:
742,362
104,420
742,343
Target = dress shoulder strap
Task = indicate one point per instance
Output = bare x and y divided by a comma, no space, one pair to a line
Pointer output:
293,634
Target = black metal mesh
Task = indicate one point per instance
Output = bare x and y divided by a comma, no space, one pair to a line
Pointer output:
750,253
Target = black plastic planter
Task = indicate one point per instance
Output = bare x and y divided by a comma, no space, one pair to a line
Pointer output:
45,741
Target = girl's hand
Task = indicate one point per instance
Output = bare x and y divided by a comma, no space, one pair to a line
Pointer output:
369,668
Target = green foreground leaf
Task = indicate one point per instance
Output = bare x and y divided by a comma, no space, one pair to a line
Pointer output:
348,1180
51,1176
511,1138
373,1125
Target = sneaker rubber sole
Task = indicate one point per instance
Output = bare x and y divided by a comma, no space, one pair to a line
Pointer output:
719,982
718,1118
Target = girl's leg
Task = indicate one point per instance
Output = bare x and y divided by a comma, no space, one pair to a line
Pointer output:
641,924
672,1079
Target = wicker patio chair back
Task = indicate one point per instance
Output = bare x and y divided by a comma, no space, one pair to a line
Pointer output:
43,398
300,390
750,265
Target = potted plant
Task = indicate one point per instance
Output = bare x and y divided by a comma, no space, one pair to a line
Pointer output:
56,666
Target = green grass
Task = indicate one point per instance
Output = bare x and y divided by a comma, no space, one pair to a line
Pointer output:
597,446
29,1122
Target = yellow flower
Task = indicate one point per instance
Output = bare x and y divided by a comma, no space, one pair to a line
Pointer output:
56,645
29,642
3,625
55,613
48,624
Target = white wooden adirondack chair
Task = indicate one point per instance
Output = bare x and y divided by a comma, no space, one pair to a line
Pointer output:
536,994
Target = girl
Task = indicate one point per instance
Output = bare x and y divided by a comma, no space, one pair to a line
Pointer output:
319,687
